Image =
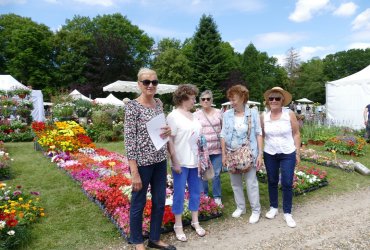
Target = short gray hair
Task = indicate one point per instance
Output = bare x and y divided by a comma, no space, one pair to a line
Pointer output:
207,92
145,71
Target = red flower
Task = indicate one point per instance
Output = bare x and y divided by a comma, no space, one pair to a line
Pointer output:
11,222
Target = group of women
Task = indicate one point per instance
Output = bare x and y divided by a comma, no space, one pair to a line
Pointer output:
276,129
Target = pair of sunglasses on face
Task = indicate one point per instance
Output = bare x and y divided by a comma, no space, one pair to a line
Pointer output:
278,99
147,82
205,99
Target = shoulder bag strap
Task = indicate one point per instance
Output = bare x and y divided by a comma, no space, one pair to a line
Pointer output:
204,113
249,126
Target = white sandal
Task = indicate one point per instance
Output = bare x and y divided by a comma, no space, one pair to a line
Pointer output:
200,231
180,237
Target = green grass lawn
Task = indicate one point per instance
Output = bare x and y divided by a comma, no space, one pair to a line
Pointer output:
74,222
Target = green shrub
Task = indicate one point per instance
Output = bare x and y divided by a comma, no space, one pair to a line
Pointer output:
83,108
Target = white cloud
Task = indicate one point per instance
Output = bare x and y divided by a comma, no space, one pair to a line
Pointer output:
8,2
362,21
276,39
305,9
280,58
359,46
346,9
307,53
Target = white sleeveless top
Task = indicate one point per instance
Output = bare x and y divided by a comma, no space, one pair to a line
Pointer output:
278,134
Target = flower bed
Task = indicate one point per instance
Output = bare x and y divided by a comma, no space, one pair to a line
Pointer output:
352,145
18,211
312,156
105,178
305,179
4,162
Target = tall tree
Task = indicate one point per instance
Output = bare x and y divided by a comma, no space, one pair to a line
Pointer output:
261,72
311,81
25,50
292,62
104,49
210,68
345,63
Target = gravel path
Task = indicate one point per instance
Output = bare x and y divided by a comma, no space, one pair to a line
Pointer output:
340,222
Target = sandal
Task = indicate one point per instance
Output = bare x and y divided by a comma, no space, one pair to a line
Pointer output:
180,237
200,231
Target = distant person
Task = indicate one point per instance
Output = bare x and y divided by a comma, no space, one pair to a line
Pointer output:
299,108
211,120
366,119
281,152
308,108
292,106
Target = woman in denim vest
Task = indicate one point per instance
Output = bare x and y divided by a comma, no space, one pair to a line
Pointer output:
233,136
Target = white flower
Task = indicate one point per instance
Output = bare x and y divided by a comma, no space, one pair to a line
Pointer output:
11,232
2,224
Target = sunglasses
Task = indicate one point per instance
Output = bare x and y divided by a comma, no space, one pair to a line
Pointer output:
147,82
278,99
204,99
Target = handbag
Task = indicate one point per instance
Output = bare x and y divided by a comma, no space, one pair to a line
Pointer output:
241,160
206,171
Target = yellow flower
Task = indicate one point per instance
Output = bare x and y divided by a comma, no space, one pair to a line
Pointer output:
20,199
333,151
42,214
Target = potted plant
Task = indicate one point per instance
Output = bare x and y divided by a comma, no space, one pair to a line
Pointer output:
21,92
82,109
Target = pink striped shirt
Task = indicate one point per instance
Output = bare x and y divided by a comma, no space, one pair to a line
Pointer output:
213,143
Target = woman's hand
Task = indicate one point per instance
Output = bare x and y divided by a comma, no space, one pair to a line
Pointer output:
259,162
166,132
298,159
137,185
176,168
224,160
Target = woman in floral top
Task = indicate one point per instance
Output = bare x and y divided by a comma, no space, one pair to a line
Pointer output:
147,165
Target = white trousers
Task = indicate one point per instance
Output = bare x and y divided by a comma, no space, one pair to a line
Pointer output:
252,190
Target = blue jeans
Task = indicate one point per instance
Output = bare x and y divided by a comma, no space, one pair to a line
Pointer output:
189,175
216,181
156,176
286,164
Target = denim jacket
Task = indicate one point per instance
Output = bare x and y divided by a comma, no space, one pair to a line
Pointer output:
228,128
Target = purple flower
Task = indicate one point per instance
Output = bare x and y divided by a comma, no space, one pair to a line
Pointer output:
35,193
17,192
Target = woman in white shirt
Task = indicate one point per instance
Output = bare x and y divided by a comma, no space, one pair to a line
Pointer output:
185,132
281,152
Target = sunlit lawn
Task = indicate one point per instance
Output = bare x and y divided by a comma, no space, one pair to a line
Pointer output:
74,222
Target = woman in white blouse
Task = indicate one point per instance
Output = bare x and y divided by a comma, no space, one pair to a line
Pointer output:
185,132
281,151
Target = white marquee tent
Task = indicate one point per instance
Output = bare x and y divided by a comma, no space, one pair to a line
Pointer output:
7,83
75,94
347,98
125,86
111,99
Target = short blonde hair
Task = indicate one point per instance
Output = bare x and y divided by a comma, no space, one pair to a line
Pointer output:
145,71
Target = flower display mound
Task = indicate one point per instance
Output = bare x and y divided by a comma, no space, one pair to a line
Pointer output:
105,178
67,136
351,145
305,179
18,210
333,161
4,162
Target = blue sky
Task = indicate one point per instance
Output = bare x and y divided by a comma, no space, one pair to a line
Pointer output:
312,27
